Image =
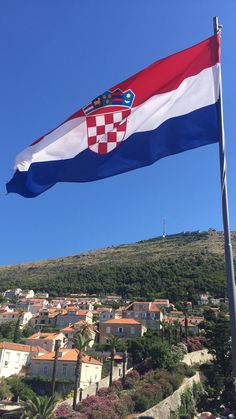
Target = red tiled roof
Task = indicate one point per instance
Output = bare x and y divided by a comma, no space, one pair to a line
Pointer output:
20,347
68,329
121,321
49,336
77,311
67,355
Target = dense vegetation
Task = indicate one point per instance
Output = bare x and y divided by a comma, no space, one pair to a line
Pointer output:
153,268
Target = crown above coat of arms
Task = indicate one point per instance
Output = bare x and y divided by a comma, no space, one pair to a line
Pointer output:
115,98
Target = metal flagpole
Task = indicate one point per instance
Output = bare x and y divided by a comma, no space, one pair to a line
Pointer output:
225,213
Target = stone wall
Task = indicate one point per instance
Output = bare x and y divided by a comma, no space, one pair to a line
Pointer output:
197,357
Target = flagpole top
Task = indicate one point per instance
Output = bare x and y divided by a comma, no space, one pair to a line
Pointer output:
216,25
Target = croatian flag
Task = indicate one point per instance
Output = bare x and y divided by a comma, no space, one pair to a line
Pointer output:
169,107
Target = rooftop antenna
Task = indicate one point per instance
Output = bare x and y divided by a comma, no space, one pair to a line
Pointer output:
164,229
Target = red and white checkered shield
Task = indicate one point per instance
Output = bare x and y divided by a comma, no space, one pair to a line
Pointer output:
106,130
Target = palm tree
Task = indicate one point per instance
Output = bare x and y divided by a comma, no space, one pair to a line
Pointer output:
80,343
186,327
113,342
56,349
163,326
124,365
169,330
38,408
86,331
176,325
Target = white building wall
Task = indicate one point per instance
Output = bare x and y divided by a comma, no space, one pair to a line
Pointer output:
90,373
11,361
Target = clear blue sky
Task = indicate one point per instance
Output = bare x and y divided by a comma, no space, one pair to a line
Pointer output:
56,56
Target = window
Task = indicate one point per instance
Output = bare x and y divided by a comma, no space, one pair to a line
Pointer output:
108,329
132,330
120,329
45,369
64,371
7,357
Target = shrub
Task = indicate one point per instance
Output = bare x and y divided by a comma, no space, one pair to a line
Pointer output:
123,406
19,389
186,409
196,343
142,402
132,378
65,411
105,392
176,380
117,385
101,411
166,386
96,407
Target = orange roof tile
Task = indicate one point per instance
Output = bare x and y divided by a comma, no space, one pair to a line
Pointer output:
9,312
20,347
69,355
49,336
121,321
28,300
68,329
77,311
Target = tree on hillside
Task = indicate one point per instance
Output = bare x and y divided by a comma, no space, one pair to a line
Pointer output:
7,330
220,372
19,388
5,391
149,350
163,325
176,325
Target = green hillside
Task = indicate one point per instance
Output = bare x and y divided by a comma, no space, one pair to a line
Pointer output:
169,267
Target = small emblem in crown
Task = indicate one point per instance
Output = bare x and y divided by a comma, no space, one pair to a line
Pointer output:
115,98
106,118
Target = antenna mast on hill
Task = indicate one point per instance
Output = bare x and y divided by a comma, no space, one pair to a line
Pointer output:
164,228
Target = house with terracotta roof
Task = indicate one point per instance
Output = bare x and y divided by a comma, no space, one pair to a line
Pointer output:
69,332
123,328
7,316
46,340
91,370
14,357
147,312
73,315
24,303
106,314
46,317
